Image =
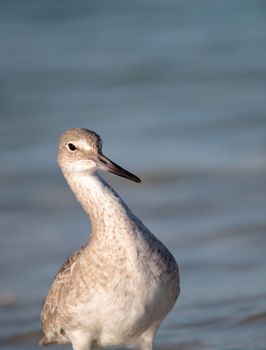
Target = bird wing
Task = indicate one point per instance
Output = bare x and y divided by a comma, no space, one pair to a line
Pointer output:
54,305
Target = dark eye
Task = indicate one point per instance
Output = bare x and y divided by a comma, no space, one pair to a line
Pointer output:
71,147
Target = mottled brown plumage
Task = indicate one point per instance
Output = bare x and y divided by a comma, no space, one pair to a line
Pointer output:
121,284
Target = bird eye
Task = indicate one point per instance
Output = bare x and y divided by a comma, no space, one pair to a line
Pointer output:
71,147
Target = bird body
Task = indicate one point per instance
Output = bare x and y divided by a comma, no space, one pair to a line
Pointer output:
122,283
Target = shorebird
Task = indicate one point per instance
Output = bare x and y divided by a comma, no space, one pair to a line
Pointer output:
119,286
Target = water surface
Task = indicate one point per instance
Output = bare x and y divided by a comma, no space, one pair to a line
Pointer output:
177,91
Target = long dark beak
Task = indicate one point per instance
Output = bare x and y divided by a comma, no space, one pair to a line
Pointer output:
106,164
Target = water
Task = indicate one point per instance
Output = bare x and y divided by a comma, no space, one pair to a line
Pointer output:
177,91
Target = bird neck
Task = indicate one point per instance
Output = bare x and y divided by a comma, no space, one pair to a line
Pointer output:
107,211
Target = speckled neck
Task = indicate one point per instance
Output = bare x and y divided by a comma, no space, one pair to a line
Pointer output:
106,209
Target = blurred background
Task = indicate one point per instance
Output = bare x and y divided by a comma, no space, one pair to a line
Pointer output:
177,90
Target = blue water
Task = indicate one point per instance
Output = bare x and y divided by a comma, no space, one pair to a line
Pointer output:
177,90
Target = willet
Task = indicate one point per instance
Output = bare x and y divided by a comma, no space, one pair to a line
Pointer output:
119,286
